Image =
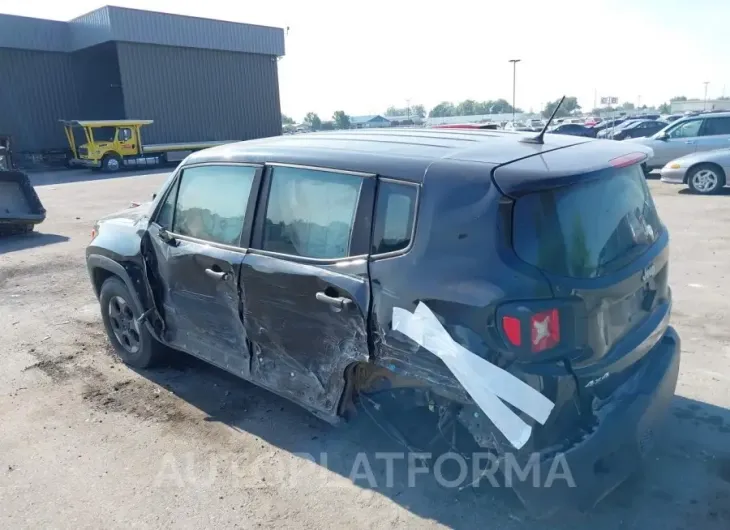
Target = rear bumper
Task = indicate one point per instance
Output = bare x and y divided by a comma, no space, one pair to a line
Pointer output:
627,423
673,176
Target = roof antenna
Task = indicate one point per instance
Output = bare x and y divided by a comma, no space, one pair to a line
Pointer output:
539,138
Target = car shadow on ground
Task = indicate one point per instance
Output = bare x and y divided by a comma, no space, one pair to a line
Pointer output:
26,241
672,490
722,192
66,176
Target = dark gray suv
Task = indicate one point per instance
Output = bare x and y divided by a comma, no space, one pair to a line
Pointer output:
512,289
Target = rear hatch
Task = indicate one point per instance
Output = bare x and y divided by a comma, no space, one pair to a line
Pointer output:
584,217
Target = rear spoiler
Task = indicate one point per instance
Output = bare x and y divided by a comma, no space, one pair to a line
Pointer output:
567,165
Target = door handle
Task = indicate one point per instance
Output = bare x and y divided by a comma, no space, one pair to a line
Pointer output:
217,275
339,302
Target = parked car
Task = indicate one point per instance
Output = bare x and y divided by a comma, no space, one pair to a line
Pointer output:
610,132
607,124
705,173
592,121
704,132
573,129
639,129
671,117
425,272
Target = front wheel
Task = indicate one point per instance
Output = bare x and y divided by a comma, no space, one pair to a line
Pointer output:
132,341
111,163
706,179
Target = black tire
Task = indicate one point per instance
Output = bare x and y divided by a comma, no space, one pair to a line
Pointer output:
111,163
705,186
148,351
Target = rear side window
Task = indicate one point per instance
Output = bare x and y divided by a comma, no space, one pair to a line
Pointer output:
716,126
589,229
394,217
211,203
311,213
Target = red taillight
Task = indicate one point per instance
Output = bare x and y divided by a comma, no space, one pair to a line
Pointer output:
544,330
512,329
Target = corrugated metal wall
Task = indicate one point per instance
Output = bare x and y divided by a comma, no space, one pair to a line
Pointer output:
146,27
34,34
36,90
195,94
99,83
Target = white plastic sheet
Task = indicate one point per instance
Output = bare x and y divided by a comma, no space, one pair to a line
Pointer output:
487,384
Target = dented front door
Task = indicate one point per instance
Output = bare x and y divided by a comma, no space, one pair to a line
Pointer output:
200,299
194,250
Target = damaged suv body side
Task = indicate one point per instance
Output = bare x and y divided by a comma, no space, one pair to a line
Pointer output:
311,265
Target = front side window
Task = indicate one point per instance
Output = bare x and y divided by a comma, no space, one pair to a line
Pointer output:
125,135
211,203
716,126
311,213
104,134
394,217
687,129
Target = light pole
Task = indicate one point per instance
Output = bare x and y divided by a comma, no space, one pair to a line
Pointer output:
514,80
704,107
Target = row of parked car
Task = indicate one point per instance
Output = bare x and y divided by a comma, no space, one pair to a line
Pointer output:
690,149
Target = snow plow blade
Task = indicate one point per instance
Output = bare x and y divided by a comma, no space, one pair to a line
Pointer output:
20,207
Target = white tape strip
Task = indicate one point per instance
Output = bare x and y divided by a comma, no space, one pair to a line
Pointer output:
486,383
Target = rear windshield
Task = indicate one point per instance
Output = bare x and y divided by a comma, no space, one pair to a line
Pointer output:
589,229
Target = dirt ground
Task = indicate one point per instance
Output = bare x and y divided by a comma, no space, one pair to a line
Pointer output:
86,442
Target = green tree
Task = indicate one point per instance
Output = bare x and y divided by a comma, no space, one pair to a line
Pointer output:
313,121
342,120
442,110
286,120
414,111
628,106
679,98
327,126
468,107
569,106
665,108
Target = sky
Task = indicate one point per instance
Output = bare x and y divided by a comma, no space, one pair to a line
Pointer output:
362,57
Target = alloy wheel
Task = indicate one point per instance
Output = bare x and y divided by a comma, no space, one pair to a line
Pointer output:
705,180
124,325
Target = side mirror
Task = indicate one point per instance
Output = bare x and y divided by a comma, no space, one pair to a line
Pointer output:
154,196
662,136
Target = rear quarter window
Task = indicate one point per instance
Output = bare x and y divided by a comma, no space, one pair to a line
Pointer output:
394,217
588,229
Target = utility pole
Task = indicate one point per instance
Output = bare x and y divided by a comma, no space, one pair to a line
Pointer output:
704,107
408,109
514,82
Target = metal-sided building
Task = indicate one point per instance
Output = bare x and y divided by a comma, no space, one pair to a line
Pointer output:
199,79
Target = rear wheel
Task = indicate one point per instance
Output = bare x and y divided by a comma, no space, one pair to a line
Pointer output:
132,341
706,179
111,163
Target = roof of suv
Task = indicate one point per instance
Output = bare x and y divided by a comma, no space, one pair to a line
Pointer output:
404,153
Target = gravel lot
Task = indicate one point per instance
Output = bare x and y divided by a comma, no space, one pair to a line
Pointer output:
85,442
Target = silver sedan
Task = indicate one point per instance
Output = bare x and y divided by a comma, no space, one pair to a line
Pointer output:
705,173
